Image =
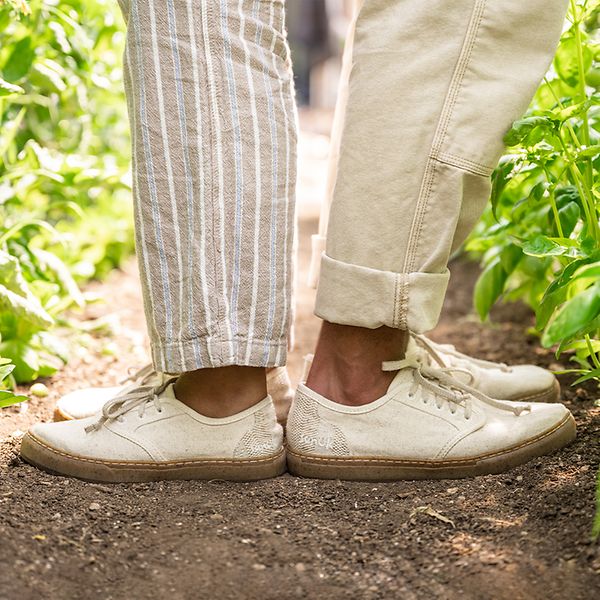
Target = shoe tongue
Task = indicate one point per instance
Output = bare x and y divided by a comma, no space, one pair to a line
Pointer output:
403,377
413,350
169,392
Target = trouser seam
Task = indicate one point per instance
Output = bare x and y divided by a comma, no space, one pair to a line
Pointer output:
441,132
463,164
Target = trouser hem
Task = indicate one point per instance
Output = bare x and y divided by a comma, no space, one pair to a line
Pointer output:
360,296
318,243
207,353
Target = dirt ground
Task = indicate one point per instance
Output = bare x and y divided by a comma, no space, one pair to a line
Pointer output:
525,534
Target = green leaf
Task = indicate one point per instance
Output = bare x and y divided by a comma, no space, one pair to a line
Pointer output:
27,308
569,216
19,61
50,262
510,257
542,245
8,398
43,76
575,110
566,61
8,89
522,128
17,298
594,374
573,317
548,305
500,177
24,357
489,287
588,152
6,370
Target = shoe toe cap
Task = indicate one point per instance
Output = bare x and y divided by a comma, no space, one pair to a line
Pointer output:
503,432
85,403
519,383
71,438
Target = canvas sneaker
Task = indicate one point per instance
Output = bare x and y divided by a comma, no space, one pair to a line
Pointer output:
526,383
86,402
146,434
428,425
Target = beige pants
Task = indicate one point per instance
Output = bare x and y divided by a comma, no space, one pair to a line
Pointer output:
432,85
428,90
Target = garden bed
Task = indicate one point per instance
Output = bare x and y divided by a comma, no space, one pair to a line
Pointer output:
525,534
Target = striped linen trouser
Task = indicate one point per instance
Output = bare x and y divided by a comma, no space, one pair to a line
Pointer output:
429,90
214,131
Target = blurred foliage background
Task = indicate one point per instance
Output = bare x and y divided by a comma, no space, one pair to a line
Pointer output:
65,212
539,241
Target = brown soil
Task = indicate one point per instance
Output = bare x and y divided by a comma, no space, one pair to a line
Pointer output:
525,534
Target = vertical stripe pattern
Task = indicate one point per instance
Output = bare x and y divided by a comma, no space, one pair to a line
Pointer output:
210,99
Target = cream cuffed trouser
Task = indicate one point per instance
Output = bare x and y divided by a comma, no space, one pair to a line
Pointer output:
430,88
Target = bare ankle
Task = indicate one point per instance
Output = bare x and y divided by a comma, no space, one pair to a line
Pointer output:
221,392
347,363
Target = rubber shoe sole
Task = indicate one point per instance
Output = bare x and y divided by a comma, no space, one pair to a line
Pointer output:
49,459
388,469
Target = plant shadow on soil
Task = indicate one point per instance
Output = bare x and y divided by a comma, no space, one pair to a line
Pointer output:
524,534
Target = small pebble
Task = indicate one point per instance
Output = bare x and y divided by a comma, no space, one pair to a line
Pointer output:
39,390
300,567
94,506
258,567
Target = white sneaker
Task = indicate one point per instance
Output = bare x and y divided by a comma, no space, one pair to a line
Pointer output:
148,435
427,426
87,402
523,383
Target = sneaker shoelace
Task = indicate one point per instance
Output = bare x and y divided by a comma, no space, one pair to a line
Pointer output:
440,383
139,397
455,358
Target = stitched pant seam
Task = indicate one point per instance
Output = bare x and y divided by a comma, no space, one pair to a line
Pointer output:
463,164
441,132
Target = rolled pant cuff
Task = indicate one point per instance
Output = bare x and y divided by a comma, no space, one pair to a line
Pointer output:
363,297
318,243
211,353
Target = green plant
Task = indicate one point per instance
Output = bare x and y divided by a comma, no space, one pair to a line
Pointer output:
540,239
7,397
65,214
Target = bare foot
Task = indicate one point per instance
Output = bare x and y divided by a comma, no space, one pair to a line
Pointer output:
347,365
221,392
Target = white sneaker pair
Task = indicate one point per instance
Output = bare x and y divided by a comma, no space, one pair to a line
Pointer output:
434,421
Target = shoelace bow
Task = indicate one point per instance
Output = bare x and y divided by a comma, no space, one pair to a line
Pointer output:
138,397
442,385
424,343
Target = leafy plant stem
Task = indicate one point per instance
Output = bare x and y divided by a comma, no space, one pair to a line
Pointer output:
593,354
553,204
585,128
588,204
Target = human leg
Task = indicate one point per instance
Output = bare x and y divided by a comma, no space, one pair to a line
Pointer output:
418,145
213,125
